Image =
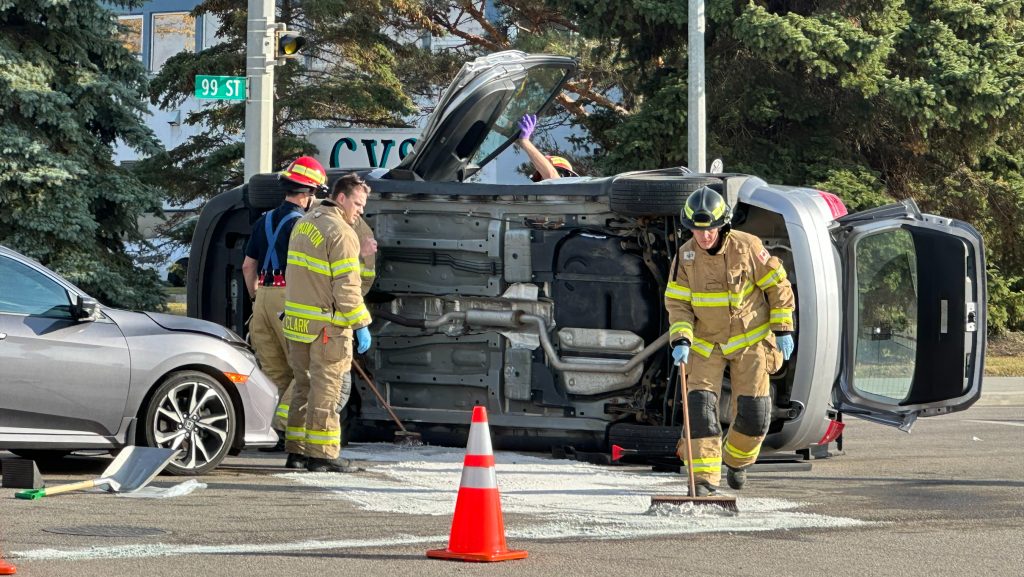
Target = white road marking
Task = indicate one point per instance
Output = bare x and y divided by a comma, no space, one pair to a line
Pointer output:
162,550
1007,423
541,499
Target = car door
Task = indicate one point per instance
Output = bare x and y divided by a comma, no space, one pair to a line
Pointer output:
914,314
477,116
59,375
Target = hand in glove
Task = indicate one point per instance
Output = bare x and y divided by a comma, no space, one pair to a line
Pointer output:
681,353
786,345
363,340
526,125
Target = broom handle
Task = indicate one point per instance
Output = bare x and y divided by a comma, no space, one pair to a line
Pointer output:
686,428
373,387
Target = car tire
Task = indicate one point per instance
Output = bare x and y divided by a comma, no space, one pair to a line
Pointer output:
653,194
264,192
191,411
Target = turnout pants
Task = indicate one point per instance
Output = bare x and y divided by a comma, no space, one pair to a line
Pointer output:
314,426
749,369
267,335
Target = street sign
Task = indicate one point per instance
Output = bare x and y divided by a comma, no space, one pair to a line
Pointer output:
220,87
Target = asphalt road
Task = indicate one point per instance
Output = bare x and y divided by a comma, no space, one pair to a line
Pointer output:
947,499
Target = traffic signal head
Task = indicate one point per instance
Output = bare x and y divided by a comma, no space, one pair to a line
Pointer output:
289,45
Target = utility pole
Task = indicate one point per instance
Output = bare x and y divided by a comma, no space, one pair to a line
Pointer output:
696,138
259,68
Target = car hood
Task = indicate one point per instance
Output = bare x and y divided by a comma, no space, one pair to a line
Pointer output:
141,323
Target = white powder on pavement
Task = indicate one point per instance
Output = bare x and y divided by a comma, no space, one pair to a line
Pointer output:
545,498
541,499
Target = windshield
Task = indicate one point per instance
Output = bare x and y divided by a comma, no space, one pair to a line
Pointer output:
534,92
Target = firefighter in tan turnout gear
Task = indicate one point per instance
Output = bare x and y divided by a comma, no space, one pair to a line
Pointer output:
323,305
729,304
266,255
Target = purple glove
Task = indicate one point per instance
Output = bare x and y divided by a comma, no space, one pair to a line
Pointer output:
526,125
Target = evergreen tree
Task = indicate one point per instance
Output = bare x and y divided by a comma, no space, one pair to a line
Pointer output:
874,101
69,90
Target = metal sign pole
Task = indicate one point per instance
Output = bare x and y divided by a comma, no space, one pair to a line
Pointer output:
695,121
259,106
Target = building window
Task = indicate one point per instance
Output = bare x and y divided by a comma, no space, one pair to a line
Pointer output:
173,32
131,34
210,25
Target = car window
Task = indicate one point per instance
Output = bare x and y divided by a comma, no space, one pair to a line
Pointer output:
533,93
887,303
24,290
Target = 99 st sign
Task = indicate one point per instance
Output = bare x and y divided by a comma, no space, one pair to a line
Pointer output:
220,87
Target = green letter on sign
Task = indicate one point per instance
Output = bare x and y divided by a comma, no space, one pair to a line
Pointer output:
220,87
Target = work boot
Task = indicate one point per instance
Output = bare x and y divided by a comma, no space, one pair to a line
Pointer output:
736,477
278,448
705,489
295,461
338,465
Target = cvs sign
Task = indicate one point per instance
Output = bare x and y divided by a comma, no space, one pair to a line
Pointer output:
363,147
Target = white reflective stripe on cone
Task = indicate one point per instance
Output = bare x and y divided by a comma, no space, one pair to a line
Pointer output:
478,478
479,440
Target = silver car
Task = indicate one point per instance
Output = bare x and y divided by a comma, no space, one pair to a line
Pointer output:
78,375
544,302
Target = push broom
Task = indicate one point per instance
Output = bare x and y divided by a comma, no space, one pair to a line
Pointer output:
726,502
403,436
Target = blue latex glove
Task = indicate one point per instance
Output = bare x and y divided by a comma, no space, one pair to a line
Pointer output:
363,340
681,353
526,125
786,345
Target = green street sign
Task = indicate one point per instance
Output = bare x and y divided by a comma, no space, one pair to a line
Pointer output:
220,87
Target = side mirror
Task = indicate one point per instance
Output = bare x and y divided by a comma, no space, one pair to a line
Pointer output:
83,308
717,166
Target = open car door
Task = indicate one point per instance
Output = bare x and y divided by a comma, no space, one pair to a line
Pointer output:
477,116
914,318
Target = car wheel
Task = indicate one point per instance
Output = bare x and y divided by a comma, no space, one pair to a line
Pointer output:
653,194
193,412
264,191
42,455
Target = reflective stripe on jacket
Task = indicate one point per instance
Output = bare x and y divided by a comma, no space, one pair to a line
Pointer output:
323,285
732,299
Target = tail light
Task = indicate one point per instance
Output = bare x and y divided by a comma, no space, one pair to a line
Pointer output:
835,205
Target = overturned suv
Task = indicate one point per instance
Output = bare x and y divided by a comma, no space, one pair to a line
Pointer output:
544,302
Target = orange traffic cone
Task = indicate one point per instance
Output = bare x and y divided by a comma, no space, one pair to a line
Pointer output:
5,567
478,531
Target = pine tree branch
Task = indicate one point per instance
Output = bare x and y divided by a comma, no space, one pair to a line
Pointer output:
585,92
478,15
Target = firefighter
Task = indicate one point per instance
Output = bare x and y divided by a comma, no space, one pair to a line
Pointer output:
266,256
545,167
323,306
730,305
367,254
